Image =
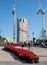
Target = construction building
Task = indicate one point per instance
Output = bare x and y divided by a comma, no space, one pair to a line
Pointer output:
22,30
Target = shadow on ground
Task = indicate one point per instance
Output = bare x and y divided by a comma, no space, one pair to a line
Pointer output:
15,56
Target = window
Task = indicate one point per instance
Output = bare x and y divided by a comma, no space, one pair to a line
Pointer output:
20,19
23,20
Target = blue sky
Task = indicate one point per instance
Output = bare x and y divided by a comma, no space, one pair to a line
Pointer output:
24,8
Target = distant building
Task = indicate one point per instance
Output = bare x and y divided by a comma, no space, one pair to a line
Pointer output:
22,30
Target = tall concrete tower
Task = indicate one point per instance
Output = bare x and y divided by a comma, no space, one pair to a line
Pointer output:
14,22
22,30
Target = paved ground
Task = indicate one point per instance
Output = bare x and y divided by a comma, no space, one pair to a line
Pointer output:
5,56
14,63
40,51
9,58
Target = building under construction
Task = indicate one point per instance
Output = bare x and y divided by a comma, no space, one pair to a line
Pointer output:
22,30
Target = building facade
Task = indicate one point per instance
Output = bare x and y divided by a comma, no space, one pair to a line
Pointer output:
22,30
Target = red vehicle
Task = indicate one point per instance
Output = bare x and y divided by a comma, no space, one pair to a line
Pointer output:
22,53
29,56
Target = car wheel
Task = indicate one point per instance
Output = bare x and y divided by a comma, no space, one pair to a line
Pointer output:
37,60
31,61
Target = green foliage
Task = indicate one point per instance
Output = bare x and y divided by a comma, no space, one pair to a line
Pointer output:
3,40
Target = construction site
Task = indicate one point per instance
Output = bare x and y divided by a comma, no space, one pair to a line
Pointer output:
24,47
20,27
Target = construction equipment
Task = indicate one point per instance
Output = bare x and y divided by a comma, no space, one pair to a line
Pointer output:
41,11
14,22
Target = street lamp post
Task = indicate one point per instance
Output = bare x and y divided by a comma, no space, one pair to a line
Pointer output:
0,34
32,40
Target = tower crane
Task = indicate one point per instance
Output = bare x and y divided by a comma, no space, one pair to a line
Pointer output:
41,11
14,21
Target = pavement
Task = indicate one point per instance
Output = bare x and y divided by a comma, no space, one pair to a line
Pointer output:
41,52
6,56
